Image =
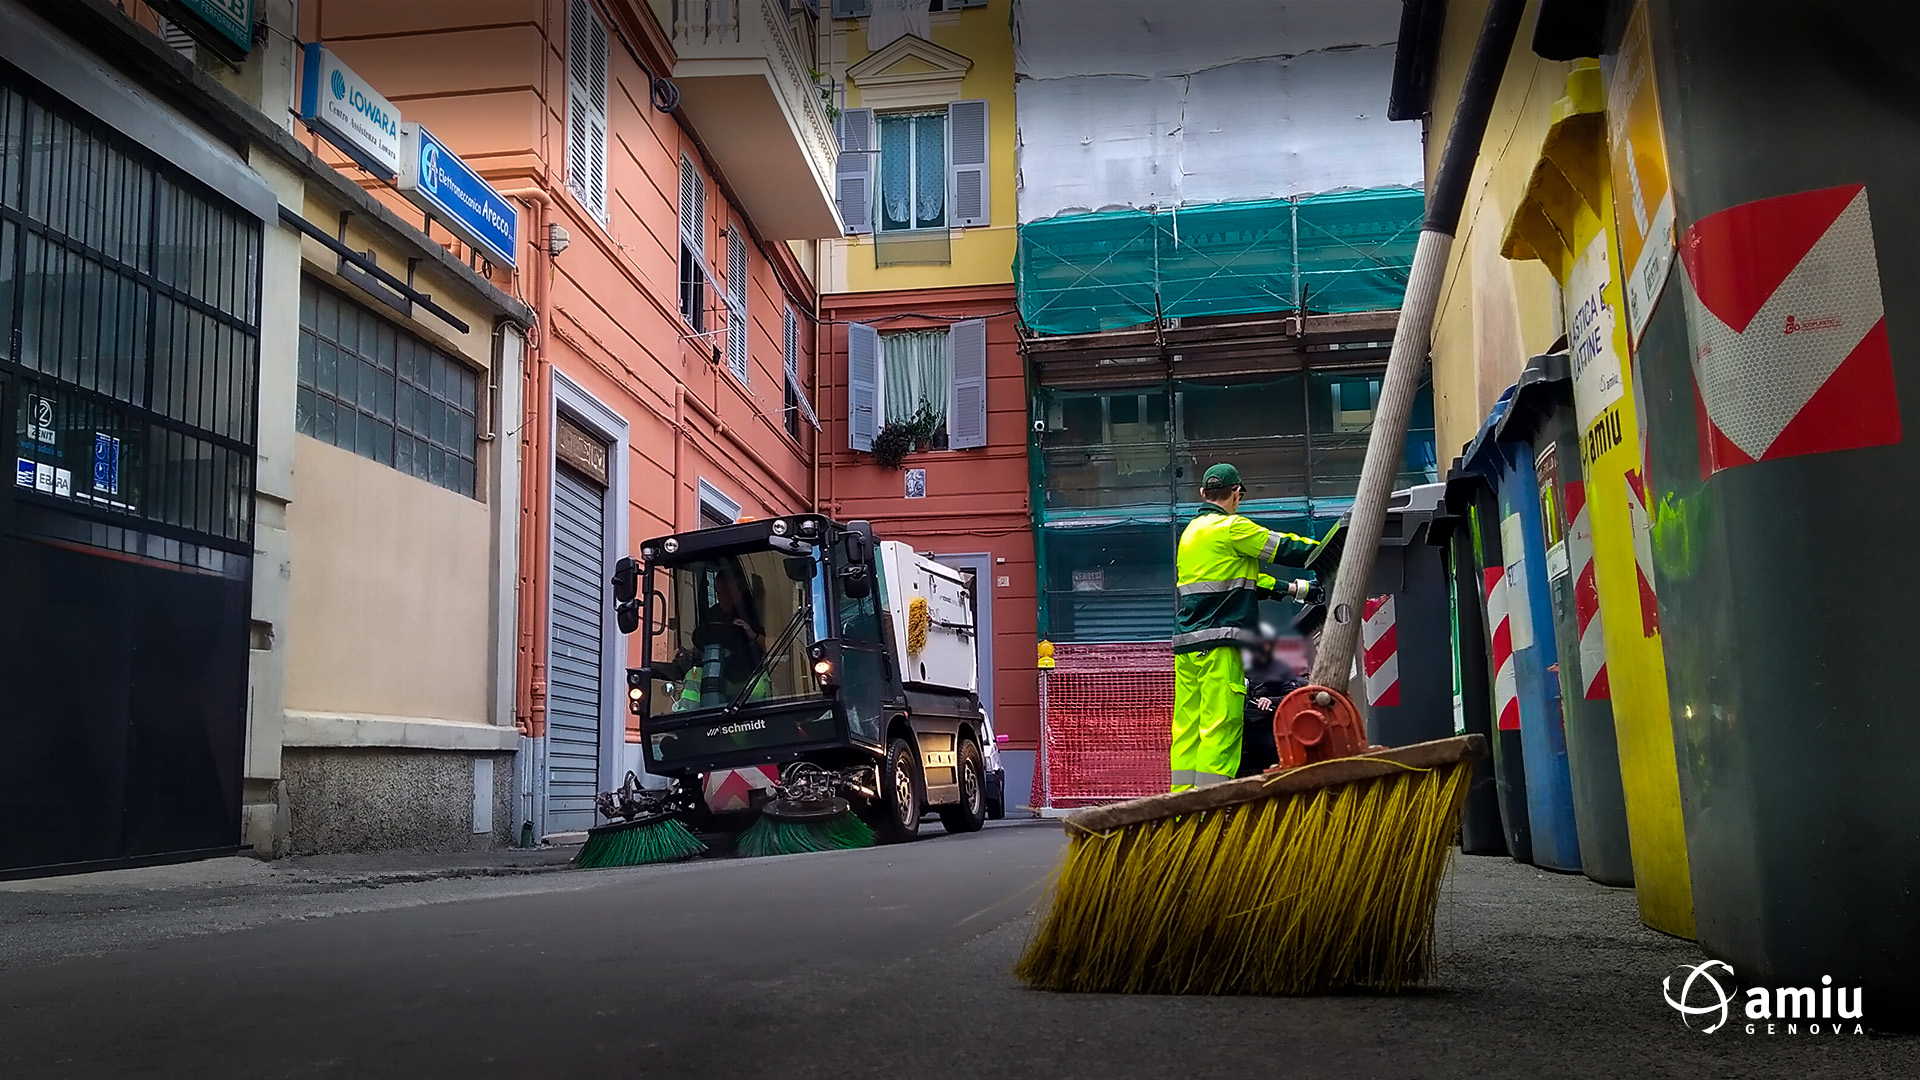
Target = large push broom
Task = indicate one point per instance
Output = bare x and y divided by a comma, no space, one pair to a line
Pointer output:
1324,873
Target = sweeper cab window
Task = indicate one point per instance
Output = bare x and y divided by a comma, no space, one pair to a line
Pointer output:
734,630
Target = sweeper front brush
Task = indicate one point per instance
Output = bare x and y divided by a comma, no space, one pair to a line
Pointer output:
1299,881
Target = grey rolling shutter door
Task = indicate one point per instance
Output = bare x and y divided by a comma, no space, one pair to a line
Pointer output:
853,183
852,9
574,705
967,412
863,385
967,185
587,107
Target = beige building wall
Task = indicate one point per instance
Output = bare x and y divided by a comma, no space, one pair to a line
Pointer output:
1493,313
389,611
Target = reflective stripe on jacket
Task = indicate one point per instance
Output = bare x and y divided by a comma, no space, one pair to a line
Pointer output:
1220,584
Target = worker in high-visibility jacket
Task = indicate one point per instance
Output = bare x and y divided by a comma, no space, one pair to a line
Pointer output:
1219,587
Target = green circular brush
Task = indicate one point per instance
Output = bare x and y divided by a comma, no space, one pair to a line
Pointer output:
793,826
654,838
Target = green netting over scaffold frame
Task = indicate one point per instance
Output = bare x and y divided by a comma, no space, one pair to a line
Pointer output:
1340,252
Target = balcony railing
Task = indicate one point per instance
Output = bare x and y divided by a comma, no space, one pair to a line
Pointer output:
721,47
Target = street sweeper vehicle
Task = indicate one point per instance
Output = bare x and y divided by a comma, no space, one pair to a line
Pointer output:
797,668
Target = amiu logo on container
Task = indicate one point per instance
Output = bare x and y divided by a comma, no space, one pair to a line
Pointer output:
1708,997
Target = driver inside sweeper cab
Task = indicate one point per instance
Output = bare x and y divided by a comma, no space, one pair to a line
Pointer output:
730,628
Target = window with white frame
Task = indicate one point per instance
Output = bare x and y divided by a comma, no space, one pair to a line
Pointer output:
739,328
914,171
915,367
693,246
934,379
587,107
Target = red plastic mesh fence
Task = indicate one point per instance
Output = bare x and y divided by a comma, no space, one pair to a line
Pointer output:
1106,723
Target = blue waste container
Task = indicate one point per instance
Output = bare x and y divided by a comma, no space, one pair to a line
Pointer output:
1543,736
1542,416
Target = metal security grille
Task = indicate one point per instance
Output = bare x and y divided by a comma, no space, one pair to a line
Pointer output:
129,311
574,691
370,387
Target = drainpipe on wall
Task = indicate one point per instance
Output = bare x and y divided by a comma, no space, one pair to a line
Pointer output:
531,672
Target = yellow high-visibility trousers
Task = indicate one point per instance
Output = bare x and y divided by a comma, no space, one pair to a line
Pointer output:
1209,704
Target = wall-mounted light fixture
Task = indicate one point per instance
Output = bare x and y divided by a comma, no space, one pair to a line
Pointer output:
557,239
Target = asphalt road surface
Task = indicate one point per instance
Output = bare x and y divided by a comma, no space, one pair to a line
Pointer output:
890,962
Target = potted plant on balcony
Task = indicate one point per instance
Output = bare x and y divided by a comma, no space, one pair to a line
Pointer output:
892,443
925,424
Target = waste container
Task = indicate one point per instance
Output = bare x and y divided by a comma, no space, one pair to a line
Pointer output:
1543,738
1480,831
1542,417
1783,516
1406,655
1480,473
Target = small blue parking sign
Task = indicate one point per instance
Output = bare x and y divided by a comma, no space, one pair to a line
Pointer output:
106,463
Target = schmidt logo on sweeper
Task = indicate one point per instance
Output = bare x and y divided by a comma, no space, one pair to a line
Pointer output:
1707,997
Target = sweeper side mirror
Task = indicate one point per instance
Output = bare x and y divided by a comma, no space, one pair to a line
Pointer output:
856,579
626,580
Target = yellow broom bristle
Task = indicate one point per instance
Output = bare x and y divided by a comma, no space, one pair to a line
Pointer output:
1328,889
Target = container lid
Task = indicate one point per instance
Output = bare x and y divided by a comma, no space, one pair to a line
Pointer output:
1546,385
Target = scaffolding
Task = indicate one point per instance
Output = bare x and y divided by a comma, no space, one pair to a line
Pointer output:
1347,251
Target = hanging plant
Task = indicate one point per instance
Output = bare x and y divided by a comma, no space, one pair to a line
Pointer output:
892,443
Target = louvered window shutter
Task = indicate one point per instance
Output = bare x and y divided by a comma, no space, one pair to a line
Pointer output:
693,208
790,345
863,385
587,107
853,185
967,412
738,326
967,187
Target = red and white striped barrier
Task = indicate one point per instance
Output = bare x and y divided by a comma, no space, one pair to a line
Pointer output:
730,790
1381,656
1642,524
1586,594
1506,688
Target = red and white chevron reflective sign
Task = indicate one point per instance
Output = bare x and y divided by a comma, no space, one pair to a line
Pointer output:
1381,656
729,790
1641,523
1506,687
1789,331
1586,594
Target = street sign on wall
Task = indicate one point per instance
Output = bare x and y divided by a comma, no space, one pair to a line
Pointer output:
225,26
434,178
349,113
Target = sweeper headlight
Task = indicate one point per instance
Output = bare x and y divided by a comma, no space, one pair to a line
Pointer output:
808,527
670,545
780,527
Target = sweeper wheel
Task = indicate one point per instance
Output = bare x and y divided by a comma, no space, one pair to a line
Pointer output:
896,815
970,813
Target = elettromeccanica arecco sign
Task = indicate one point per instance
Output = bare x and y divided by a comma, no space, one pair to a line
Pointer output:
434,178
1708,998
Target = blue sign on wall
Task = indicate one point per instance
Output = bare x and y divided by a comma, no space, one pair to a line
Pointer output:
349,113
106,463
437,181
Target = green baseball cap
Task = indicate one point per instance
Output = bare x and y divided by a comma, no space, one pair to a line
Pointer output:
1221,477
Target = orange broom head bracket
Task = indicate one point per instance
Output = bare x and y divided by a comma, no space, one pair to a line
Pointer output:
1317,723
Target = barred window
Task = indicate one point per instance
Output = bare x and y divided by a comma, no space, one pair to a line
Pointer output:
381,392
129,313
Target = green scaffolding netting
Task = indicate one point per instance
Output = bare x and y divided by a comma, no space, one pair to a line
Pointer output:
1341,252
